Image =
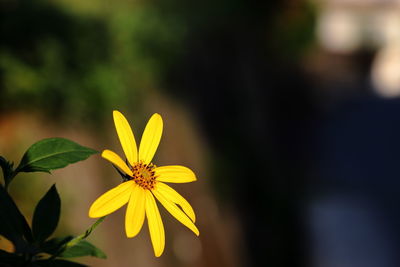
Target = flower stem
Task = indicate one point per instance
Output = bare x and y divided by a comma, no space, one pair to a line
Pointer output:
78,238
75,240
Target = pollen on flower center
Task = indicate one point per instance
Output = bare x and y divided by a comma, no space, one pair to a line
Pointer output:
144,175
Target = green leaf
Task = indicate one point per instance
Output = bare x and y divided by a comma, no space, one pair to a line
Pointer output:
83,248
13,225
52,153
8,172
46,215
54,245
58,263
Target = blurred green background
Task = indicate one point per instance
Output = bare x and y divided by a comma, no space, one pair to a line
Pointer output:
80,60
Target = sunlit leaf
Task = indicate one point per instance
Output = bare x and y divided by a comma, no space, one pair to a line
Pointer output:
46,215
83,248
53,153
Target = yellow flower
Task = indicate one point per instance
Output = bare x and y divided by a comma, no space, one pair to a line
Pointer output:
144,181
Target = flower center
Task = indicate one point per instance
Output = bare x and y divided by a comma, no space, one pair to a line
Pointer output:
144,175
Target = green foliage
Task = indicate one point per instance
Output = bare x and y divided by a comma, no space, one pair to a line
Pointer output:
10,259
13,225
55,245
57,58
46,215
83,248
52,153
7,168
31,245
57,263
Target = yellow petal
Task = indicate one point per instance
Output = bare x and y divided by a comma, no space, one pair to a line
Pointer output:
174,174
175,197
175,211
116,160
134,217
150,138
111,200
155,223
125,136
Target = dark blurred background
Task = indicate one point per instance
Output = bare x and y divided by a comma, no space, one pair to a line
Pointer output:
288,112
